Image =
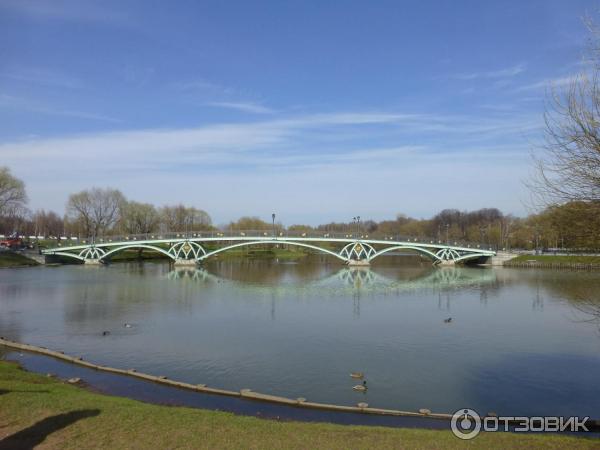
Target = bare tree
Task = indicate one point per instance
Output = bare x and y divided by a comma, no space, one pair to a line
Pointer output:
47,223
98,210
12,193
568,167
181,218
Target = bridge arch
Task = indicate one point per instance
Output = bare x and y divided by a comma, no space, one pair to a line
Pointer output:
471,256
246,244
68,255
407,247
137,246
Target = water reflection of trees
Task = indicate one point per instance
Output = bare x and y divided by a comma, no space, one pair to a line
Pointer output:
271,271
109,294
582,292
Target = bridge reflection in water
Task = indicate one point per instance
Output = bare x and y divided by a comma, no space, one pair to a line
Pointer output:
357,282
357,278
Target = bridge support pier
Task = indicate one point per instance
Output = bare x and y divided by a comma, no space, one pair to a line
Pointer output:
358,263
447,262
181,262
92,262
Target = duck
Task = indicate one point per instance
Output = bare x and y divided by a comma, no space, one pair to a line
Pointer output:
105,333
361,387
448,320
127,325
358,375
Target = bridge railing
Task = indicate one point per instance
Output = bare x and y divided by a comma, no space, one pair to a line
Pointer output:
278,234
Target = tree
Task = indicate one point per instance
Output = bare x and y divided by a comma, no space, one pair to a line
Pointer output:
12,193
568,167
300,228
251,223
97,210
139,218
182,218
46,223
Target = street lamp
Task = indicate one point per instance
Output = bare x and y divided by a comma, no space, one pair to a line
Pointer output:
447,231
273,217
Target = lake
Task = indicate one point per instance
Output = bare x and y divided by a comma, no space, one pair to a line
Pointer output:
520,342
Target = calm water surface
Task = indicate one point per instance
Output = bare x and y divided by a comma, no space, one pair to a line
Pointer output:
520,341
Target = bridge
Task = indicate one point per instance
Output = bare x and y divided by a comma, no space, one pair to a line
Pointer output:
354,249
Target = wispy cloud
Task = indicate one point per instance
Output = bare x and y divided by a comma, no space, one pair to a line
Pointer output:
499,73
548,83
70,10
42,76
200,85
388,152
248,107
18,103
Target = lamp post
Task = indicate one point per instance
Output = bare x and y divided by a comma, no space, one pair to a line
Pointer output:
358,224
273,217
447,234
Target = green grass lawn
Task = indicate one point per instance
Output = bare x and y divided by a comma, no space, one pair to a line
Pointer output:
37,410
10,259
565,259
267,253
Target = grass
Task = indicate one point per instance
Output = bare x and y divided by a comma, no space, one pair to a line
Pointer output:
266,253
556,259
35,409
10,259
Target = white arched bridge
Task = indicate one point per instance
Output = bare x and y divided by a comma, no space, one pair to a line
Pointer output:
193,248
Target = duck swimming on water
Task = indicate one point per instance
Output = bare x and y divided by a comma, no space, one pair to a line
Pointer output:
358,375
361,387
448,320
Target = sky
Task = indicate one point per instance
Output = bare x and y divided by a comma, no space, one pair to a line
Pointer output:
317,111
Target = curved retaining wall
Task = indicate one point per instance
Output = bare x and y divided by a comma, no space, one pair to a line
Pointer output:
244,393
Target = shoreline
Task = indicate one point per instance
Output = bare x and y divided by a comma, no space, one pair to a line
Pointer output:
31,405
160,390
243,393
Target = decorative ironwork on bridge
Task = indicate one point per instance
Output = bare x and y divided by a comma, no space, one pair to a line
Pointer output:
194,248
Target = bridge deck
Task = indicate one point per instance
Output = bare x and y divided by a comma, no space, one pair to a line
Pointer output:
188,246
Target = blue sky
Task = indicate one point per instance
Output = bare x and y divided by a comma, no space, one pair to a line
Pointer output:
315,110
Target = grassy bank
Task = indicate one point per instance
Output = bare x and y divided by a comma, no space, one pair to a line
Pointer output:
10,259
266,253
35,409
556,261
574,259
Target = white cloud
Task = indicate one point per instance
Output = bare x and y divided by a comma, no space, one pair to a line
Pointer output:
72,10
500,73
415,163
249,107
42,76
548,83
18,103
